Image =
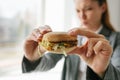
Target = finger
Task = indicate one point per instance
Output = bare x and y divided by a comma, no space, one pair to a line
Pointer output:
39,32
91,43
103,47
77,50
39,38
31,37
80,50
36,33
83,32
44,29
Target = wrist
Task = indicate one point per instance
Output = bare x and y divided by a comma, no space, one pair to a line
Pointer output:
32,58
102,73
35,55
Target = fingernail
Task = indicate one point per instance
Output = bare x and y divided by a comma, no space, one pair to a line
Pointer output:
48,29
38,34
88,55
96,52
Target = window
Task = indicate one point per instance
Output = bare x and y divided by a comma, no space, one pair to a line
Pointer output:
60,14
19,17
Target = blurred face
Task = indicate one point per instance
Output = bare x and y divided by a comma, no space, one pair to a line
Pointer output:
89,13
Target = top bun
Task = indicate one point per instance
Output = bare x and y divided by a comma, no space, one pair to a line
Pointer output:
58,37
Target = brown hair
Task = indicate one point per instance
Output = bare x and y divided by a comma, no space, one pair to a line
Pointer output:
105,17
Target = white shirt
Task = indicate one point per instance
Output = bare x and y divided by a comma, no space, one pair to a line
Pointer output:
99,29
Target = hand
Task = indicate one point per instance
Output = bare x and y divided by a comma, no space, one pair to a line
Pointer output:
96,52
31,42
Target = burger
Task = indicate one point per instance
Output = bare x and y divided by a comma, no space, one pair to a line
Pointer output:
57,42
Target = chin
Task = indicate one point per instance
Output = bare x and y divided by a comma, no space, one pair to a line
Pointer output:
86,26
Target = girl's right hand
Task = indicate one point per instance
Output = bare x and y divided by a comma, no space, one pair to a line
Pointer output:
31,42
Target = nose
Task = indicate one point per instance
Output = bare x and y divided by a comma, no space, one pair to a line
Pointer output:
82,15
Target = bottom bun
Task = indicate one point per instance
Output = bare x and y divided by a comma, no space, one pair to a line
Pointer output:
62,51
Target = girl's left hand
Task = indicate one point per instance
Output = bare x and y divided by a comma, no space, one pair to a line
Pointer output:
96,52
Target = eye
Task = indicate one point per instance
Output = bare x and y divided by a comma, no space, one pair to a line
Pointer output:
77,10
89,8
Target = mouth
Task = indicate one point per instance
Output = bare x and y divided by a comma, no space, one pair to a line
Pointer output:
84,22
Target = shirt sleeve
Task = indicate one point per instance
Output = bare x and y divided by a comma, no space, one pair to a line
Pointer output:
28,66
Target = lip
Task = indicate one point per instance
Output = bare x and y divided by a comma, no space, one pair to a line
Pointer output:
84,22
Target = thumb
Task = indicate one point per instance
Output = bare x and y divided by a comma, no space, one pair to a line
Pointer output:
80,50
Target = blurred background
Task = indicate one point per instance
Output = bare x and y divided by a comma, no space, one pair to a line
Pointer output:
19,17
